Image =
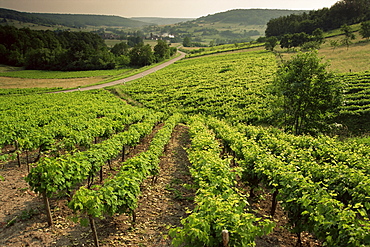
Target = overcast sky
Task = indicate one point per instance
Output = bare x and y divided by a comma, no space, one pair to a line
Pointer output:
157,8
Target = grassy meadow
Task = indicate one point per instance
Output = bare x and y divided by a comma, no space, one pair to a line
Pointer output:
355,58
342,59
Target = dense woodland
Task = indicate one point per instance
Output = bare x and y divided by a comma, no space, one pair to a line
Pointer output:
343,12
67,51
69,20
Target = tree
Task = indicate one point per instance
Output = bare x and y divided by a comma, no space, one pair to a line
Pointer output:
298,39
348,35
132,41
3,54
141,55
120,49
365,30
271,42
187,42
39,59
123,60
161,50
334,44
308,94
318,36
285,41
173,51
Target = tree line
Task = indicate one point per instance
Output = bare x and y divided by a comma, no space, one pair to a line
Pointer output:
343,12
314,41
69,51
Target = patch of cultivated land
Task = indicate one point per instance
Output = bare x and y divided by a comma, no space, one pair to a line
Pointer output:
162,205
8,82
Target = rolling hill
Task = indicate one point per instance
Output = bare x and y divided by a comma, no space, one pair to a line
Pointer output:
246,16
233,26
161,21
70,20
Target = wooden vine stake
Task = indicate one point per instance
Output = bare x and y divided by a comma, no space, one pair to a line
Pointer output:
27,162
101,174
225,238
123,153
93,229
18,153
48,211
110,164
274,202
133,216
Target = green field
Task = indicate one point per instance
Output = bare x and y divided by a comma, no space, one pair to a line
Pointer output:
233,157
44,74
231,86
319,181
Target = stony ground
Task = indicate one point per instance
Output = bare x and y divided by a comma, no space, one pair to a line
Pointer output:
162,205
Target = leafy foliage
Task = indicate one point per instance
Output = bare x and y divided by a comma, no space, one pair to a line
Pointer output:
54,50
142,55
69,20
302,170
355,112
365,30
60,174
348,35
230,86
220,206
270,44
342,12
309,95
119,194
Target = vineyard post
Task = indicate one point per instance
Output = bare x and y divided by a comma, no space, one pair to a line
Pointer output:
123,153
225,238
274,202
101,174
90,180
27,162
110,164
48,212
18,153
19,159
93,229
133,216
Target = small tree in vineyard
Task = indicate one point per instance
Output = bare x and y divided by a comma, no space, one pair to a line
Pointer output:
309,94
271,42
348,35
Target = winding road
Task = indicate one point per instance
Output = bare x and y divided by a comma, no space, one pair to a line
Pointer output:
130,78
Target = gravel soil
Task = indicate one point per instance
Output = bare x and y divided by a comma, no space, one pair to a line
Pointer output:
162,205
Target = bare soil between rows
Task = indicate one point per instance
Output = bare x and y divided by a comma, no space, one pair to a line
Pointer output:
10,82
162,205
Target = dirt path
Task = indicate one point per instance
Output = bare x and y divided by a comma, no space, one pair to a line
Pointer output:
131,78
161,205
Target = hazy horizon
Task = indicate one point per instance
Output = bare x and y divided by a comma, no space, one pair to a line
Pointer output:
158,8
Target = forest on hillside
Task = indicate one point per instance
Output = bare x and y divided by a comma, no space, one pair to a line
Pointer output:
70,51
70,20
343,12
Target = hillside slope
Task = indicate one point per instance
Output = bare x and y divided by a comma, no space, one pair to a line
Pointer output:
161,21
70,20
233,26
246,16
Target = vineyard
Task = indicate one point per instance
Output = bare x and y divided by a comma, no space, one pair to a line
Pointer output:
182,168
356,109
232,86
